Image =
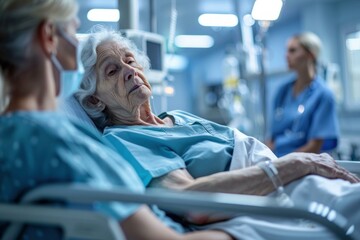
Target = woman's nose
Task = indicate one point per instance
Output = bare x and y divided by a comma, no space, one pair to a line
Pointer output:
130,74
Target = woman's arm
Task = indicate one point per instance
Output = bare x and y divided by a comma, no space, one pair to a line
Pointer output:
253,180
270,144
312,146
143,225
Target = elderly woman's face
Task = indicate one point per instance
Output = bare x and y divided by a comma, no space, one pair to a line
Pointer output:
121,83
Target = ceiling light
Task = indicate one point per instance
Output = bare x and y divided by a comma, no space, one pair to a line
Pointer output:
218,20
103,15
175,62
353,44
194,41
169,90
266,10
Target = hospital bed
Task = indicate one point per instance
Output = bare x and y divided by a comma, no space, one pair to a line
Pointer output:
86,224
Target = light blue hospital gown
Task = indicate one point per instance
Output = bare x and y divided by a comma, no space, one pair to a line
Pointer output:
44,147
200,146
204,147
310,115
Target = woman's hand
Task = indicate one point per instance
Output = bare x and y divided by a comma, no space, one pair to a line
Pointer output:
322,165
270,144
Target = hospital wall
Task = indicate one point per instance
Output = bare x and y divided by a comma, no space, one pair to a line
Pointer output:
327,19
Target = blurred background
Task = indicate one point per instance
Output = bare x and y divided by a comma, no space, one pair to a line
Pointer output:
227,67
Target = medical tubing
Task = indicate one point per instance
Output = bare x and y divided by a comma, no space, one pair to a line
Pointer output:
273,174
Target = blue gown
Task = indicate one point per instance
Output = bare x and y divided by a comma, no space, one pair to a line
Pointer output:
201,146
310,115
44,147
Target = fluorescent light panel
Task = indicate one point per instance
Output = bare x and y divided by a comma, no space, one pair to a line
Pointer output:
353,44
169,90
218,20
103,15
266,10
194,41
175,62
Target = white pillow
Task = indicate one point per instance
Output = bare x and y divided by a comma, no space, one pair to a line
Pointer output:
71,108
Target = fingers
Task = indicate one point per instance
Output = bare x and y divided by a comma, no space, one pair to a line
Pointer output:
348,176
324,165
327,167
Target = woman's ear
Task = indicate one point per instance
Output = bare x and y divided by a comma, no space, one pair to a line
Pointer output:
93,100
96,102
47,37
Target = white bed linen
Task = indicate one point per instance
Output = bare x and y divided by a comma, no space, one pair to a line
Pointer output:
338,195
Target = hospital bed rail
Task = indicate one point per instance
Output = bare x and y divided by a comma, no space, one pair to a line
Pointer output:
351,166
75,224
231,204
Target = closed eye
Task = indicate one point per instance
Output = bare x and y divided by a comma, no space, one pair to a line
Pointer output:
111,73
131,61
111,70
292,50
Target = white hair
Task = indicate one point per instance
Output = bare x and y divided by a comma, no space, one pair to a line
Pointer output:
19,20
87,89
311,42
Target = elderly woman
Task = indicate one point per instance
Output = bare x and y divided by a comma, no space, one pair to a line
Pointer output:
178,150
304,118
38,146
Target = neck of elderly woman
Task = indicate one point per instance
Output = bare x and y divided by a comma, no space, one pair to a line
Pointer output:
140,116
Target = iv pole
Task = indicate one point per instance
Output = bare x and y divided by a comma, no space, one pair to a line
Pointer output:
129,14
264,26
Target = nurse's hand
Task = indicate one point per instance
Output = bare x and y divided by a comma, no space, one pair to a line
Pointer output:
323,165
270,144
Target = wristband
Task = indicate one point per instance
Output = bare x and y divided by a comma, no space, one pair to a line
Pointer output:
273,174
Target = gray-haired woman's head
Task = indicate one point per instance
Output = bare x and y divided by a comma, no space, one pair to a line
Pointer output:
100,35
311,43
19,20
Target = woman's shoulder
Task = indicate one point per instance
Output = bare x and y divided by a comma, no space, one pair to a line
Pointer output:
31,123
322,89
66,151
35,139
48,129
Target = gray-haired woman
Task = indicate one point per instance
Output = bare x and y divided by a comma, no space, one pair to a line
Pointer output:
181,151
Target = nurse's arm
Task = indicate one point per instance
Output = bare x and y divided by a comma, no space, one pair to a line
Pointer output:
314,146
270,144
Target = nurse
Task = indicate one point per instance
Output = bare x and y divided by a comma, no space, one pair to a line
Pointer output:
304,118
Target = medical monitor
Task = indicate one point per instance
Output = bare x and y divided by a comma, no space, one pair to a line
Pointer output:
152,45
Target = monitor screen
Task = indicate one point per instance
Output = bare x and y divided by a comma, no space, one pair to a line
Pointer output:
153,51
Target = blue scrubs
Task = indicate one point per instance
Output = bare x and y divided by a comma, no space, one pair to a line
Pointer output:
310,115
200,146
44,147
